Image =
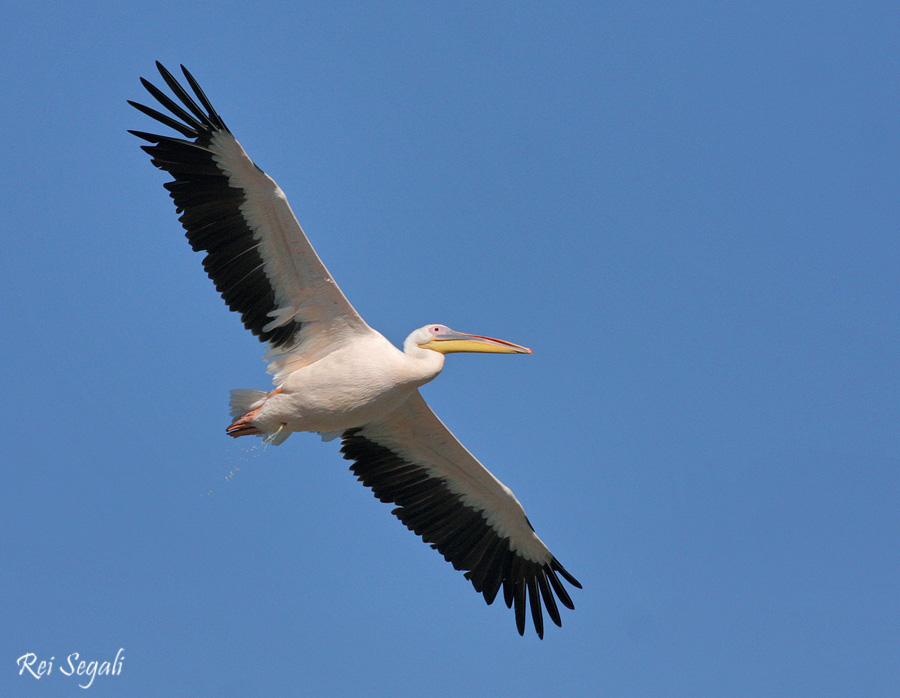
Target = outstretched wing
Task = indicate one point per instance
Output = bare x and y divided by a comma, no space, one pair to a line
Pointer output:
453,502
256,252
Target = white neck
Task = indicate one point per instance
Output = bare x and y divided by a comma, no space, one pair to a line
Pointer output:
429,362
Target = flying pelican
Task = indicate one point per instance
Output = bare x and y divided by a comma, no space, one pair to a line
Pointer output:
335,375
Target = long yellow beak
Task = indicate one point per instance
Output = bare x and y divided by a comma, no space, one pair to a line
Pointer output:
451,341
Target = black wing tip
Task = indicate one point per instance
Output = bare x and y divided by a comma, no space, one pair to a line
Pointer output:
458,533
165,72
555,565
520,579
197,121
537,614
152,137
540,594
187,74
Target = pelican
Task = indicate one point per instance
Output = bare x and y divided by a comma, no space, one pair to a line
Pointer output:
335,375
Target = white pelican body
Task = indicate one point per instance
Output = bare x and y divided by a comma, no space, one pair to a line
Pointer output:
335,375
356,383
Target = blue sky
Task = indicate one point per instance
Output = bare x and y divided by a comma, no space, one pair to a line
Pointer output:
691,215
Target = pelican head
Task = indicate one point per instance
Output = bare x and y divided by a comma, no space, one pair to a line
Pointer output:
443,340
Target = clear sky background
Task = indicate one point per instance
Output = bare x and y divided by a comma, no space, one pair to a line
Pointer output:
690,213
